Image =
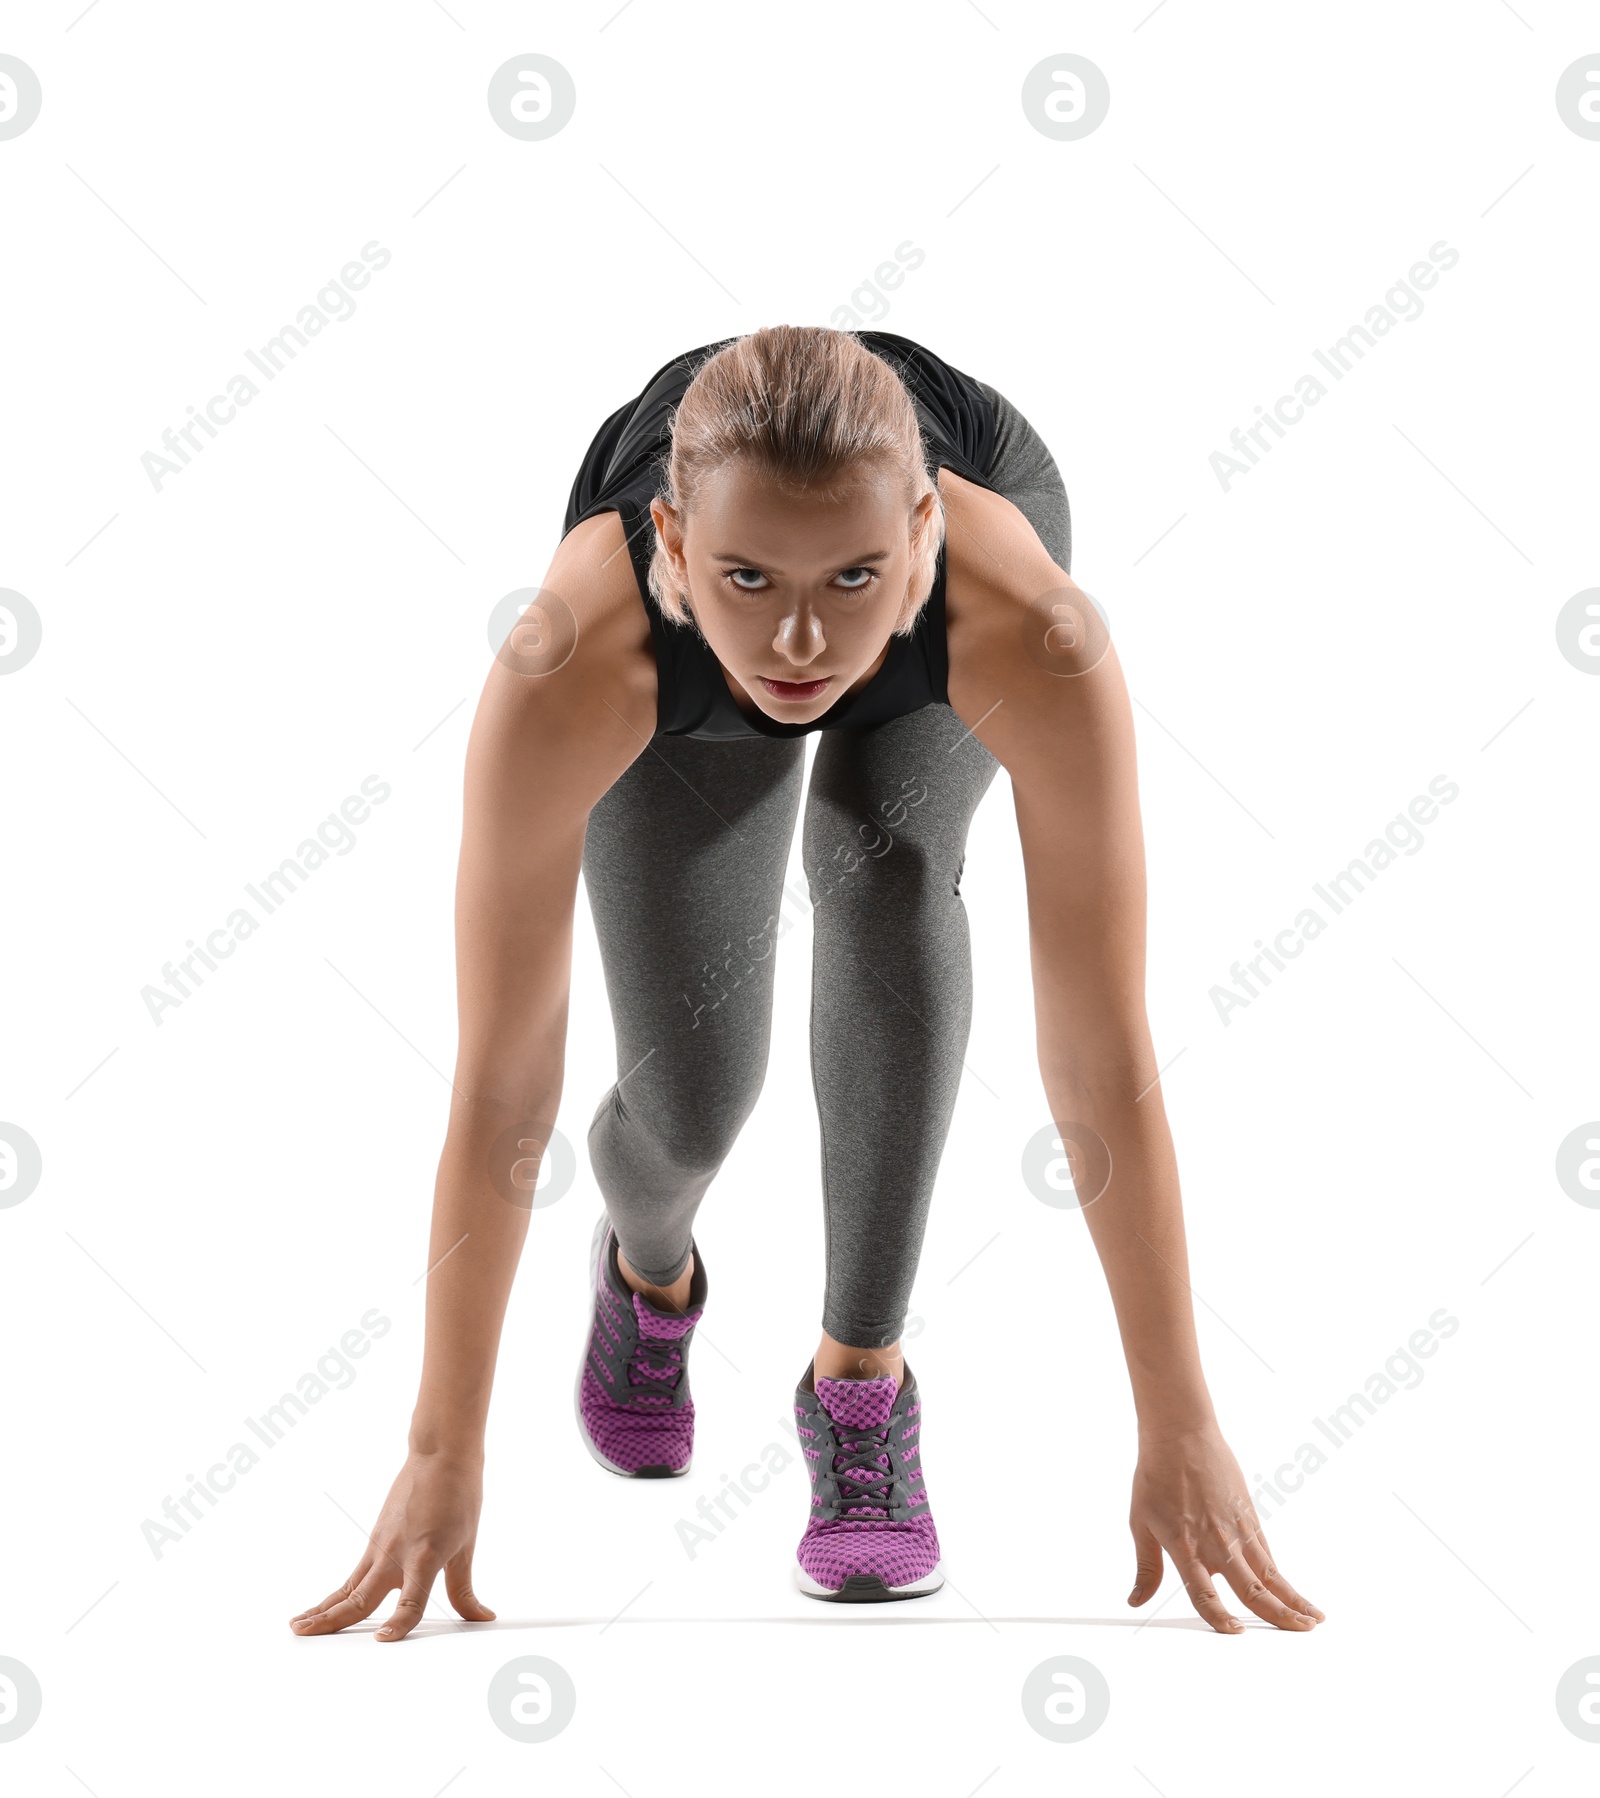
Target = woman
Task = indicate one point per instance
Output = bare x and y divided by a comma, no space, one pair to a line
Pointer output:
792,531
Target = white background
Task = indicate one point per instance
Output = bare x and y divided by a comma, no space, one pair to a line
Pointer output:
225,1194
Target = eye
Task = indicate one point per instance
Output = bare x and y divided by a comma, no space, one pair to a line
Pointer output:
869,575
739,586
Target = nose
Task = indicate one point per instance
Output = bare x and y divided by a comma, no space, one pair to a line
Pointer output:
799,638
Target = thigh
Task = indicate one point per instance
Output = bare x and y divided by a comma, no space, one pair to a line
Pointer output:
886,822
683,864
887,814
1025,472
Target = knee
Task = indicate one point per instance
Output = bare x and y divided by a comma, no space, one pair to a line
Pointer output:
911,886
682,1132
694,1144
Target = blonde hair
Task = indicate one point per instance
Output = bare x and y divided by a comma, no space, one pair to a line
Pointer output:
811,408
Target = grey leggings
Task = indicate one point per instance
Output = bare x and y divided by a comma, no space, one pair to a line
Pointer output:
684,865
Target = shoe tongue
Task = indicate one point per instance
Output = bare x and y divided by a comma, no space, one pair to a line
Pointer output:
665,1324
858,1404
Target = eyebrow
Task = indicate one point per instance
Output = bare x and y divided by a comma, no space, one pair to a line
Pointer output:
875,555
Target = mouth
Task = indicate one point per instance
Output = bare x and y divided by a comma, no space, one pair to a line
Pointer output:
797,692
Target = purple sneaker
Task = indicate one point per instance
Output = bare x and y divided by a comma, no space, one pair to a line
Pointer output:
632,1398
871,1534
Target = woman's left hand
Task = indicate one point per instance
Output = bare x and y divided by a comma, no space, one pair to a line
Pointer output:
1189,1498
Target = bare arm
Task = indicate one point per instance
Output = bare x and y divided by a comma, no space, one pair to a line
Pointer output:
1023,634
546,744
1075,789
543,750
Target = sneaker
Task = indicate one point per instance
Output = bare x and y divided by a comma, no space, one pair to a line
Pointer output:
871,1534
632,1398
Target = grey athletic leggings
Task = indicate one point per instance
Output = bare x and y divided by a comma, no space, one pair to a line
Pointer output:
684,865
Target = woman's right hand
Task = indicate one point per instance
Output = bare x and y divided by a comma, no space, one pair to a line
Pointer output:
428,1521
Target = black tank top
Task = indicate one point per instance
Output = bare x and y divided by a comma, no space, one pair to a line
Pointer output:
624,470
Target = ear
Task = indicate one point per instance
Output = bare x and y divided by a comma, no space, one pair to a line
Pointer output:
669,531
922,514
924,523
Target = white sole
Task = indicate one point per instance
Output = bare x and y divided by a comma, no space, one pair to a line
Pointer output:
931,1581
610,1466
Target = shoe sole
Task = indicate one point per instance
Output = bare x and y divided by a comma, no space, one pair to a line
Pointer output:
867,1588
659,1471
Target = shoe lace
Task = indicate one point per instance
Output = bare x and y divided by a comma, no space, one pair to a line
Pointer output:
863,1483
656,1366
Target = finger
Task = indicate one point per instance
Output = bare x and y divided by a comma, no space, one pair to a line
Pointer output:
1147,1575
355,1579
1254,1595
1203,1596
1259,1555
313,1610
458,1588
361,1600
411,1603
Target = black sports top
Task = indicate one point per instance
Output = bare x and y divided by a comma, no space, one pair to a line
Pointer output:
624,470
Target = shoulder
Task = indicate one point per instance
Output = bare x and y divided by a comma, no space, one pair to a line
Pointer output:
1032,668
570,698
1009,606
593,593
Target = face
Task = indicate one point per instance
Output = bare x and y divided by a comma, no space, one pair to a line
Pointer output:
797,596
